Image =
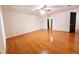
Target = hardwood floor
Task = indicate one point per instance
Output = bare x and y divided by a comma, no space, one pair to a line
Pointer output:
44,42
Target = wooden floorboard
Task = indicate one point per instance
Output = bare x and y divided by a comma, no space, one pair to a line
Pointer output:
44,42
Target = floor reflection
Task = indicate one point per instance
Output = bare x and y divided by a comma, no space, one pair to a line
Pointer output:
50,35
71,42
70,37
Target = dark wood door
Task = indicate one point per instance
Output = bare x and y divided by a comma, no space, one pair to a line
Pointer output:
72,22
48,24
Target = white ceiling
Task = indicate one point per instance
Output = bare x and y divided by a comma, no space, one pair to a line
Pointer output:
20,8
33,8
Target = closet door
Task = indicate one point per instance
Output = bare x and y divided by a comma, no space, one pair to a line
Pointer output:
72,22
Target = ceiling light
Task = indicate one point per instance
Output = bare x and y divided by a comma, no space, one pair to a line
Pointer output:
41,6
42,12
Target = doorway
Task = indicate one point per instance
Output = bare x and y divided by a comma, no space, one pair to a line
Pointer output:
72,22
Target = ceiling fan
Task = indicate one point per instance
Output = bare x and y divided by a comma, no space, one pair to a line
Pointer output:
43,9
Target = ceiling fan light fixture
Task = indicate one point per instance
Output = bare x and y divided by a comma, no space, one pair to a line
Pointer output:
42,12
41,6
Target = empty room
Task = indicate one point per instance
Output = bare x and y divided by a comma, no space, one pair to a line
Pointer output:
39,29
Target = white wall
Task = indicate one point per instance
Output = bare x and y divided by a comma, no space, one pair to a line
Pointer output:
2,34
61,21
77,22
19,23
1,37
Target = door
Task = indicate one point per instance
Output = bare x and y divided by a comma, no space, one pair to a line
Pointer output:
72,22
48,24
